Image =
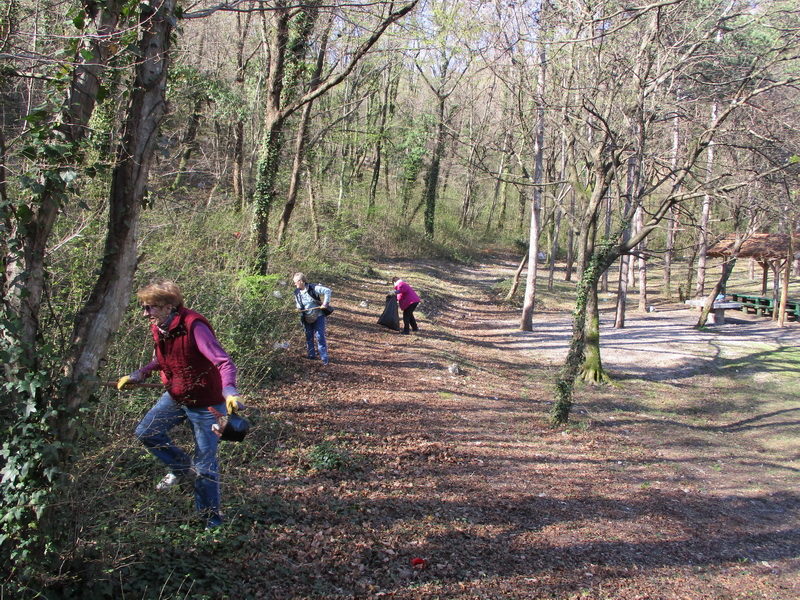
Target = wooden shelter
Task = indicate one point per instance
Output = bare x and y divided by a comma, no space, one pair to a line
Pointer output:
769,250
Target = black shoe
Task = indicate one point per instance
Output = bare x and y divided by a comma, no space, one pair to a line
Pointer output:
403,333
310,357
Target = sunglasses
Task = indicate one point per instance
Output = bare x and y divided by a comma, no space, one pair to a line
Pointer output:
149,307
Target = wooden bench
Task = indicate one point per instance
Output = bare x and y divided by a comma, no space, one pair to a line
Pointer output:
763,306
793,309
717,309
760,305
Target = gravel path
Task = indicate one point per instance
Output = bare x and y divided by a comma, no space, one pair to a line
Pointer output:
658,345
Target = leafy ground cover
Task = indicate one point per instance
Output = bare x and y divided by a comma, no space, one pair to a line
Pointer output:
387,475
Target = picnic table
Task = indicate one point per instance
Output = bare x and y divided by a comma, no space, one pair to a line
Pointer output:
760,305
763,306
718,308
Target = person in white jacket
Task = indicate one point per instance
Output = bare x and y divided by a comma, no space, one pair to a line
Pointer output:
312,301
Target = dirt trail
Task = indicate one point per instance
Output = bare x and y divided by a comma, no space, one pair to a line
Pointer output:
463,472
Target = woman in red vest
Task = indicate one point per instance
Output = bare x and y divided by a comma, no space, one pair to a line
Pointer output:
199,378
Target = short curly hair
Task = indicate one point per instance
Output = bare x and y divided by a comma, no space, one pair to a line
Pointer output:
161,293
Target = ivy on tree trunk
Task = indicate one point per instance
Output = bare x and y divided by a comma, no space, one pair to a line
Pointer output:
601,258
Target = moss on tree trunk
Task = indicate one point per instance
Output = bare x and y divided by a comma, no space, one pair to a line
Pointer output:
592,370
602,257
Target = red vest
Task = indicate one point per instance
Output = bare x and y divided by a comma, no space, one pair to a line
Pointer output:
191,378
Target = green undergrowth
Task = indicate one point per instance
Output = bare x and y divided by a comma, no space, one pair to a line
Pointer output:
135,542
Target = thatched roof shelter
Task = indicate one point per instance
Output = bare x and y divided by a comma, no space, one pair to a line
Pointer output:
763,247
768,249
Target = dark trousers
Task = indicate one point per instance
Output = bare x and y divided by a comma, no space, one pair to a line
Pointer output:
408,317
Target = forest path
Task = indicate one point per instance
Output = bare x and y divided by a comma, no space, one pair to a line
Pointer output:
666,485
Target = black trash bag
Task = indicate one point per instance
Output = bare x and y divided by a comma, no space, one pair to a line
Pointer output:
230,427
389,317
235,429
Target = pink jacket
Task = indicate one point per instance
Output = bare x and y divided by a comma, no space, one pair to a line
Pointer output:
406,296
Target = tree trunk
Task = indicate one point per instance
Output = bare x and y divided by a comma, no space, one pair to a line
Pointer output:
702,247
536,199
669,251
776,284
672,217
81,96
103,311
526,319
432,177
702,242
242,30
269,156
592,370
516,278
642,263
265,192
238,165
189,138
345,153
600,260
501,219
301,140
294,178
719,286
622,291
606,233
312,207
689,275
787,273
499,184
466,202
570,244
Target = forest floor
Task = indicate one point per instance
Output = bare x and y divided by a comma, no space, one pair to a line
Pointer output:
384,475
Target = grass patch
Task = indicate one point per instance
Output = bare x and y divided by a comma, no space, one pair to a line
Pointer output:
329,456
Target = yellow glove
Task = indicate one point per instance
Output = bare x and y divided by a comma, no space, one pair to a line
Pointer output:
232,403
123,381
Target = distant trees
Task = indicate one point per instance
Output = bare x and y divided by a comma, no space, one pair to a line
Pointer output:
283,100
442,64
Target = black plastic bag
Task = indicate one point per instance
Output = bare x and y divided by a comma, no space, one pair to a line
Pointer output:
235,429
230,427
389,317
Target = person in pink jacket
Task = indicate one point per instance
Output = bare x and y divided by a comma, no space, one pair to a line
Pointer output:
408,300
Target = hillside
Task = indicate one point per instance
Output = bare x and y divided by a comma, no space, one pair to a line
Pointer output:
679,480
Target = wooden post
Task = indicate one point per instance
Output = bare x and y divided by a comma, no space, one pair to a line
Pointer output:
787,272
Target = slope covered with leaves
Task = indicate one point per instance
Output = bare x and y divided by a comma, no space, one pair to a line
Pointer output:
422,466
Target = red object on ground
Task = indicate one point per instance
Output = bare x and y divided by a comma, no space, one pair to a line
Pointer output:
419,563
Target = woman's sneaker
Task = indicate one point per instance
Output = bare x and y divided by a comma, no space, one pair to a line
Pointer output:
170,479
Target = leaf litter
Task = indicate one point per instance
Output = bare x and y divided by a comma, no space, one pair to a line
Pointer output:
454,486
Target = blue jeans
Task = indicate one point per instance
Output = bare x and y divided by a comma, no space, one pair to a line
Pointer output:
153,431
316,330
